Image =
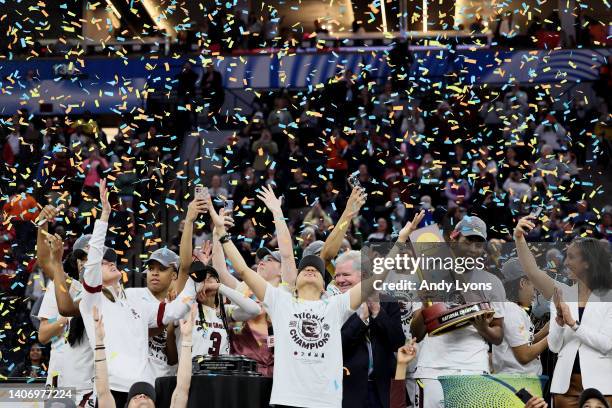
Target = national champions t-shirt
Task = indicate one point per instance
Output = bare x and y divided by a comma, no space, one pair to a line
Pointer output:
308,348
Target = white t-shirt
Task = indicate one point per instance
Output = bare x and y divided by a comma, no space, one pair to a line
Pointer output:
78,367
209,337
464,348
64,359
518,330
158,358
308,348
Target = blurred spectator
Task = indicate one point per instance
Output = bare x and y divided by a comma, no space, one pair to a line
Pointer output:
35,364
265,150
213,92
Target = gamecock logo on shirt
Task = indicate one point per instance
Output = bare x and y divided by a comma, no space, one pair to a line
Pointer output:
309,331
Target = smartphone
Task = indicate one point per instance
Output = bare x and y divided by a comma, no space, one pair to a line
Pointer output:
523,395
228,207
354,181
537,212
201,192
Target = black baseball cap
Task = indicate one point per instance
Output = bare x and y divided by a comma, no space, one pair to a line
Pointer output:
140,388
314,261
110,255
592,393
198,271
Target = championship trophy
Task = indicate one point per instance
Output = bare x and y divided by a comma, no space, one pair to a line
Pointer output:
454,311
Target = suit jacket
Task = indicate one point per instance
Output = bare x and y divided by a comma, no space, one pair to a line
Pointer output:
592,340
386,336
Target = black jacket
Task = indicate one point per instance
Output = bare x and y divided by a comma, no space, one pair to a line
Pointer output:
386,336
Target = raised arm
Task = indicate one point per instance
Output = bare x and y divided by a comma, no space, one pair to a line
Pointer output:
92,275
251,278
334,240
242,308
544,283
65,304
356,294
194,208
43,253
175,310
218,258
180,395
285,243
105,398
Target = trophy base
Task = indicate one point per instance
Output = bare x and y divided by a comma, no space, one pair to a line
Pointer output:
439,319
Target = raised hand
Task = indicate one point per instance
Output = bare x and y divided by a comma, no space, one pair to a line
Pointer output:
99,325
204,253
48,214
195,207
406,353
355,201
187,325
267,196
411,226
218,220
106,207
523,226
227,219
56,246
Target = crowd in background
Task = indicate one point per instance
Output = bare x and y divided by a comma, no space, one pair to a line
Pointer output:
495,153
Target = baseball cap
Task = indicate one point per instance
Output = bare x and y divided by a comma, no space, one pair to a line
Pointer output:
140,388
165,256
110,255
472,226
314,261
263,252
82,242
314,248
592,393
512,270
198,271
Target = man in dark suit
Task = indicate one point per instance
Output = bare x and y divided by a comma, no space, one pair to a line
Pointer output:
369,339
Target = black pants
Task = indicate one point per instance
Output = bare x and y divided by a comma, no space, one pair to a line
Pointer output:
120,399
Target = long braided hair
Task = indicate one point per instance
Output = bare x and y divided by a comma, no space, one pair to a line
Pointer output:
71,267
219,303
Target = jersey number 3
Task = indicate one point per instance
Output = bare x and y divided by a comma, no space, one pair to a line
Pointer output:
215,337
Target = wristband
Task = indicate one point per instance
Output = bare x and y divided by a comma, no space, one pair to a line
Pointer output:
185,344
225,238
100,348
100,360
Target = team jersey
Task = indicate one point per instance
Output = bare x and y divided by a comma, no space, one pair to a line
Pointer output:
209,335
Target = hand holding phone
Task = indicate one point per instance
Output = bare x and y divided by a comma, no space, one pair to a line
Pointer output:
535,214
228,208
201,192
523,395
